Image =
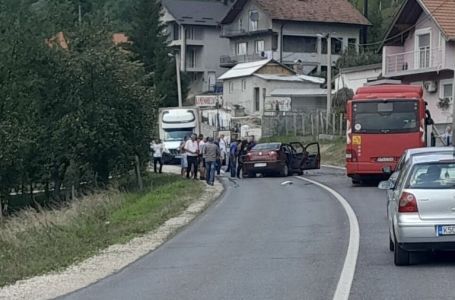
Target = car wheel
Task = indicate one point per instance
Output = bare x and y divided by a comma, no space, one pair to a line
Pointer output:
391,244
251,175
401,256
284,171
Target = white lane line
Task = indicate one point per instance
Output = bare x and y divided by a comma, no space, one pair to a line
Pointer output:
347,274
334,167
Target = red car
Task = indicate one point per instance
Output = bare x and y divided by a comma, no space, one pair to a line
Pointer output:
282,159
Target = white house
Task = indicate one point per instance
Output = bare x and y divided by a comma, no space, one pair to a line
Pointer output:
419,48
267,85
355,77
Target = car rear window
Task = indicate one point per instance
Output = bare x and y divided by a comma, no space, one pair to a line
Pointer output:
267,146
439,175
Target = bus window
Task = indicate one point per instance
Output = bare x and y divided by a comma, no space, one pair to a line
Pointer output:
385,116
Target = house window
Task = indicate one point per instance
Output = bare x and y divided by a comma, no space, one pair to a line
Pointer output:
241,48
352,45
256,99
191,58
259,46
300,44
423,51
446,91
275,42
231,87
337,46
240,24
176,32
254,17
264,92
243,84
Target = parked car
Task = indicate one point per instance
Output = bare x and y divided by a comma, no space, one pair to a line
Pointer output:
280,158
416,152
421,206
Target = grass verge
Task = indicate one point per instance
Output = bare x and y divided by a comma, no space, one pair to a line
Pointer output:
332,152
33,243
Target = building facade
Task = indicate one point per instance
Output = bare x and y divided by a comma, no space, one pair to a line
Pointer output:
194,35
420,49
290,31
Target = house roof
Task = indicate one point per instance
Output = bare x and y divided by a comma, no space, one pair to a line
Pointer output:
197,12
245,69
441,11
361,68
299,92
337,11
289,78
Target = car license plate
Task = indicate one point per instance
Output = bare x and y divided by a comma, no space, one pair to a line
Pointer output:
445,230
260,165
385,159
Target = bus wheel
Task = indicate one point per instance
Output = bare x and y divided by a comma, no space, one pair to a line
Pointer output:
356,181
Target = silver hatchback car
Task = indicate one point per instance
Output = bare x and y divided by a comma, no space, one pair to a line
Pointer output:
421,206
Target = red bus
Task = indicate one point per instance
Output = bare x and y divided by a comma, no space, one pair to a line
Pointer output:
382,122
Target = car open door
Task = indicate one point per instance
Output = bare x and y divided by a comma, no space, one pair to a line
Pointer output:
298,151
312,159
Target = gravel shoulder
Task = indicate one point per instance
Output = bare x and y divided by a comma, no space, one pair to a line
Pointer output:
110,260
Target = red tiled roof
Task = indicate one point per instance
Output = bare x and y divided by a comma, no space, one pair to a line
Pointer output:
330,11
443,12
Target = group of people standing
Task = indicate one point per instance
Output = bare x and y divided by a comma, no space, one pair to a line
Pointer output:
203,155
206,156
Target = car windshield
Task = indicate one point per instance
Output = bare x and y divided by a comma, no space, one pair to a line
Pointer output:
439,175
385,116
267,146
176,134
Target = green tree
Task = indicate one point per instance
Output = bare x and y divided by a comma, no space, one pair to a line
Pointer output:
149,42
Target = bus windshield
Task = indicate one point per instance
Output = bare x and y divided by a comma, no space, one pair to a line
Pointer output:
385,116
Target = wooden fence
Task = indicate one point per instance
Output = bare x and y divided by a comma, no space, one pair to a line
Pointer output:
298,123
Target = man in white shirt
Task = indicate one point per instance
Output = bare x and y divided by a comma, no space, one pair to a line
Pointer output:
447,136
192,152
158,149
223,148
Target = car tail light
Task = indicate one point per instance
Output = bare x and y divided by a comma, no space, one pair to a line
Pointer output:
351,155
408,203
273,154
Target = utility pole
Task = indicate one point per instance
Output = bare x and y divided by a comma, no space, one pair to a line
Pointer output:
329,79
365,28
179,84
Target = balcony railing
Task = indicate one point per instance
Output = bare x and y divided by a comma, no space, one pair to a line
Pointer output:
232,31
420,60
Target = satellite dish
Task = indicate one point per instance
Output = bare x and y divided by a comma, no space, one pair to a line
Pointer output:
254,16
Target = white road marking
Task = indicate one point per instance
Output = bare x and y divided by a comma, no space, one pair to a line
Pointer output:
334,167
347,274
286,182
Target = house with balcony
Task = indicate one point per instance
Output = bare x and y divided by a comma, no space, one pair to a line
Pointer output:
290,31
194,35
419,49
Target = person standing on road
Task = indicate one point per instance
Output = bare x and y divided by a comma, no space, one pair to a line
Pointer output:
223,149
158,149
232,158
183,161
219,161
242,152
201,161
192,153
211,154
447,136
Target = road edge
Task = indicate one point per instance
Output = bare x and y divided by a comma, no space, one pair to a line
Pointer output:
112,259
343,289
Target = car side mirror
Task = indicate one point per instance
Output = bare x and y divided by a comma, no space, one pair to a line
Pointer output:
386,185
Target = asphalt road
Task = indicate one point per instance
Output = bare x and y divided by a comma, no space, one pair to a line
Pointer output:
263,240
